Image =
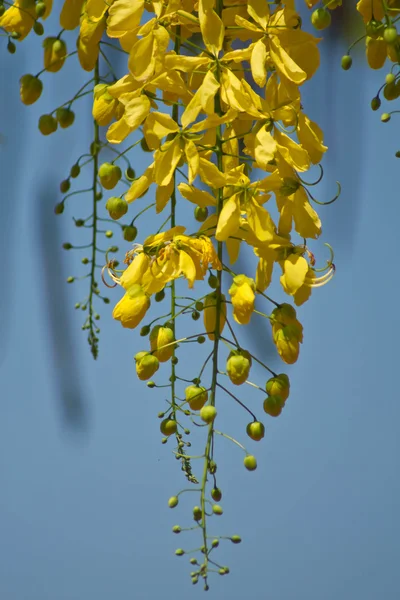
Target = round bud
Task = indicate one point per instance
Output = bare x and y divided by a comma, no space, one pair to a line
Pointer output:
173,501
195,580
40,9
59,208
75,171
196,396
236,539
208,414
38,28
79,222
145,330
255,431
201,339
47,124
179,552
174,360
30,89
391,91
195,315
216,494
130,174
109,233
11,47
144,145
201,213
250,462
109,175
238,366
168,427
130,233
217,509
199,305
77,305
321,18
273,405
278,386
70,279
385,117
390,35
375,103
159,296
397,155
106,300
213,281
65,117
390,78
151,384
346,62
117,207
164,440
67,246
64,186
215,543
197,513
176,529
212,467
193,561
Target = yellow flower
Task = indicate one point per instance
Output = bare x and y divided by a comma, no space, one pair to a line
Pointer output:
104,105
90,34
287,333
210,314
146,365
238,366
71,14
299,277
242,293
19,18
131,309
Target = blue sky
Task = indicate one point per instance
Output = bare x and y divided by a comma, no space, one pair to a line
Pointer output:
83,510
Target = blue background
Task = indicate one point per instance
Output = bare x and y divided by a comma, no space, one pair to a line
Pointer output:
84,478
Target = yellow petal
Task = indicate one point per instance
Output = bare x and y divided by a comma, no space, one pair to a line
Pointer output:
193,160
212,27
311,138
210,174
202,100
295,269
163,194
260,221
134,273
229,219
187,267
141,185
166,160
135,112
265,148
124,16
199,197
292,152
70,15
258,63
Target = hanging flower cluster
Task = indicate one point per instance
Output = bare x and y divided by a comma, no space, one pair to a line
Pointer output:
212,97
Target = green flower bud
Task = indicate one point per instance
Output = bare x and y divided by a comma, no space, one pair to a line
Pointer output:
79,222
375,103
397,155
250,462
64,186
146,366
109,233
75,171
151,384
238,366
40,9
173,501
59,208
176,529
179,552
161,339
385,117
30,89
130,233
144,145
145,330
390,78
70,279
346,62
196,396
321,18
159,296
47,124
65,117
109,175
374,28
11,47
201,339
67,246
195,580
217,509
391,91
216,494
193,561
213,282
199,306
201,213
236,539
117,207
215,543
278,386
255,431
168,427
390,35
38,28
208,414
273,405
197,513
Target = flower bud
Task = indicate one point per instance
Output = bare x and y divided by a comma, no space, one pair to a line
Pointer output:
146,365
75,171
255,431
168,427
250,462
179,552
201,213
130,233
346,62
30,89
375,103
236,539
238,366
117,207
196,396
104,105
55,53
273,405
321,18
390,35
208,414
47,124
210,314
159,337
217,509
278,386
176,529
40,9
216,494
197,513
173,501
109,175
65,117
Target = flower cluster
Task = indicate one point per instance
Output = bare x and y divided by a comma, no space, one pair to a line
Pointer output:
212,97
